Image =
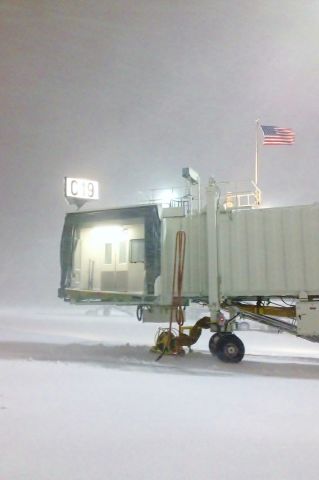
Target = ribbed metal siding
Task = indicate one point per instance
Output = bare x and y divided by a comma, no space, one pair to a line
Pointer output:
269,251
195,272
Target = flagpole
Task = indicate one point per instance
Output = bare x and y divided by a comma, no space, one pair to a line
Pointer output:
256,154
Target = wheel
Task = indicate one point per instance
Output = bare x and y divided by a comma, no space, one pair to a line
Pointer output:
230,348
214,339
139,312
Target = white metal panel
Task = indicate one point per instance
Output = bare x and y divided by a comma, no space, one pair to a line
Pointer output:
310,232
269,251
195,269
308,318
260,252
173,212
274,250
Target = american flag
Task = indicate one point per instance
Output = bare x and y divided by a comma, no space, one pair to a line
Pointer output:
277,136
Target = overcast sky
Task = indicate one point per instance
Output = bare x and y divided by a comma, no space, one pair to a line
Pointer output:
128,93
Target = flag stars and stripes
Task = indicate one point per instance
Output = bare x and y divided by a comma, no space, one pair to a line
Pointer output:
277,136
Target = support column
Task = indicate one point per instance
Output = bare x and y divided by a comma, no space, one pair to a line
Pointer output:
212,194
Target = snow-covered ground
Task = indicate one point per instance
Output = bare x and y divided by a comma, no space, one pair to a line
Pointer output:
82,397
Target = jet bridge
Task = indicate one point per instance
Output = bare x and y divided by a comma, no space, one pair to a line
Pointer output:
237,260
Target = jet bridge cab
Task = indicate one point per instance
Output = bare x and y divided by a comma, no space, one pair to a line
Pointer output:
111,254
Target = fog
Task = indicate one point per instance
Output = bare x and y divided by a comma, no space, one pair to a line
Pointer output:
128,93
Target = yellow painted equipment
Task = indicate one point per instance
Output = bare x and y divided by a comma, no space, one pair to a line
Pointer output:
171,341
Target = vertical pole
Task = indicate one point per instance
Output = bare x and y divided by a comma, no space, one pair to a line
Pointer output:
212,249
256,154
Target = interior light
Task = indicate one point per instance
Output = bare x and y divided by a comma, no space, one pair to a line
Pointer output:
108,234
229,201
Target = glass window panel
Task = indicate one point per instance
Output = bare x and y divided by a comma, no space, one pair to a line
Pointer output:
137,251
123,251
108,254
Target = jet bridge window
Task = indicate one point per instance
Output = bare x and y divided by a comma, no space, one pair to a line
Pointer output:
108,254
123,251
137,247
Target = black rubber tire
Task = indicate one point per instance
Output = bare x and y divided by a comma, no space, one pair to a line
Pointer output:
230,348
212,344
139,312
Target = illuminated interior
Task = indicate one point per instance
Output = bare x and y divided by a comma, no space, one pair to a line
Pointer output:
111,251
110,257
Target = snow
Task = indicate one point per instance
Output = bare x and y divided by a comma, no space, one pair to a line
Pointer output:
82,397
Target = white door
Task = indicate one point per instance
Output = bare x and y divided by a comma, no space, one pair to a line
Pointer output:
114,271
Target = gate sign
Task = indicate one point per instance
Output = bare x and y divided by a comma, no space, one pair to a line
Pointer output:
81,188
